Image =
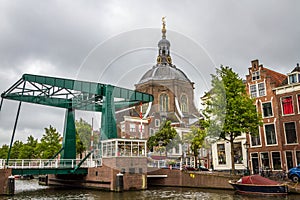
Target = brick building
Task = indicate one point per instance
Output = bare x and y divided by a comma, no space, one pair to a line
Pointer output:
276,147
288,101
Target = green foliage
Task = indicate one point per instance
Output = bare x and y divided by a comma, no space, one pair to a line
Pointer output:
50,143
28,150
198,139
163,137
84,130
80,148
151,142
229,109
16,149
4,151
174,142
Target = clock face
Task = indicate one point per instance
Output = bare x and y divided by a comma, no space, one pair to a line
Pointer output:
169,59
158,59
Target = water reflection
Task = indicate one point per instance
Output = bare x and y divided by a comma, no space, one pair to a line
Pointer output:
29,189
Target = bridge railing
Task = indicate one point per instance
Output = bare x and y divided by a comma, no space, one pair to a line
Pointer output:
46,163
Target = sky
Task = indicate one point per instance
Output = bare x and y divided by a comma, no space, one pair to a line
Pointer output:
115,42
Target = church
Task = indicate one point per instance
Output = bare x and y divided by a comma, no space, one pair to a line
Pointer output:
173,95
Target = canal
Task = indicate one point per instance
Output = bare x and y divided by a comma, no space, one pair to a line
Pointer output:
29,189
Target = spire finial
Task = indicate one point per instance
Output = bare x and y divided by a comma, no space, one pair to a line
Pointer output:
163,19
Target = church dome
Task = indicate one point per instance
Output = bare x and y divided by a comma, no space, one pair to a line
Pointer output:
163,72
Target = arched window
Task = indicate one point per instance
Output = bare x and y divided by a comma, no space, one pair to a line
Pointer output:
184,103
163,102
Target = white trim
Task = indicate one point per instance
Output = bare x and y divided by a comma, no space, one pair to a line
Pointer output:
148,110
262,110
264,127
177,107
280,102
295,126
272,160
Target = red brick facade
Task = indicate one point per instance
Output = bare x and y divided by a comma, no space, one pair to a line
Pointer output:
271,150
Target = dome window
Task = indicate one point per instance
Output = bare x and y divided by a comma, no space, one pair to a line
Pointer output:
184,103
164,102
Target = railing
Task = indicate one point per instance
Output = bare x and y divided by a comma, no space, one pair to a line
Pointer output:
46,163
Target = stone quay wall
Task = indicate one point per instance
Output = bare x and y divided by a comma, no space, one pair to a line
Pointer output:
132,170
178,178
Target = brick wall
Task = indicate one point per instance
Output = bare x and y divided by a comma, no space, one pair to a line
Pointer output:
4,174
191,179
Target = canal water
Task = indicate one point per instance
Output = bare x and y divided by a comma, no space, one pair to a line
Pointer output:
29,189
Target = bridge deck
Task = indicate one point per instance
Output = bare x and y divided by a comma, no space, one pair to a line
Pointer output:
46,166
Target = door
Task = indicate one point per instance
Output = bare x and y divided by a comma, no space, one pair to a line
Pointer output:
289,159
254,160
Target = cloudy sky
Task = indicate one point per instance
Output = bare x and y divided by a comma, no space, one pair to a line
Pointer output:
115,42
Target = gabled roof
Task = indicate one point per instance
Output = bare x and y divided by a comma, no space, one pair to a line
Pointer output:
296,69
277,77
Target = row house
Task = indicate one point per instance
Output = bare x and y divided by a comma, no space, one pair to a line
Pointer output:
288,99
275,147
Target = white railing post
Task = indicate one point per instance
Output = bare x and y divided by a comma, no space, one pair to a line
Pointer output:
22,164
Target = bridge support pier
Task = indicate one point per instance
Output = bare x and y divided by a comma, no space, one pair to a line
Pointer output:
7,185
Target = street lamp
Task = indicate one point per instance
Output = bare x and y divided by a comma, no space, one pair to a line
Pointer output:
247,146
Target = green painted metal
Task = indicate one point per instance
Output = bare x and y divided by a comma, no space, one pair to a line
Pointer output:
13,134
76,95
81,162
42,171
69,139
108,120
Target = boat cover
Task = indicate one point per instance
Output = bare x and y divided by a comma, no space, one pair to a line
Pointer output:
258,180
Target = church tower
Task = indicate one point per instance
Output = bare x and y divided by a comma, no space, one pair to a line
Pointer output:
172,90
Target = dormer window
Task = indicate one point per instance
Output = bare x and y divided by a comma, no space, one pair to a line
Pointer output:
255,75
294,78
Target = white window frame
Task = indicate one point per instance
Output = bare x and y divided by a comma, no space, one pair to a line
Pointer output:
262,109
296,74
257,93
157,123
266,142
280,156
295,126
255,74
282,105
259,90
253,93
132,127
259,135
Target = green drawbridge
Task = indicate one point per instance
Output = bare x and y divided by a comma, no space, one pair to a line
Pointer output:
74,95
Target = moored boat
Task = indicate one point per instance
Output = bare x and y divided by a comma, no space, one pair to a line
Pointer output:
256,184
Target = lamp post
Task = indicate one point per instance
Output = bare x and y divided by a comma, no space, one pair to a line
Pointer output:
247,146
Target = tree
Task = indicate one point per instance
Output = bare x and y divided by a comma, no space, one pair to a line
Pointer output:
187,140
229,109
174,143
151,142
50,143
16,149
28,150
80,148
163,137
197,141
84,131
4,151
